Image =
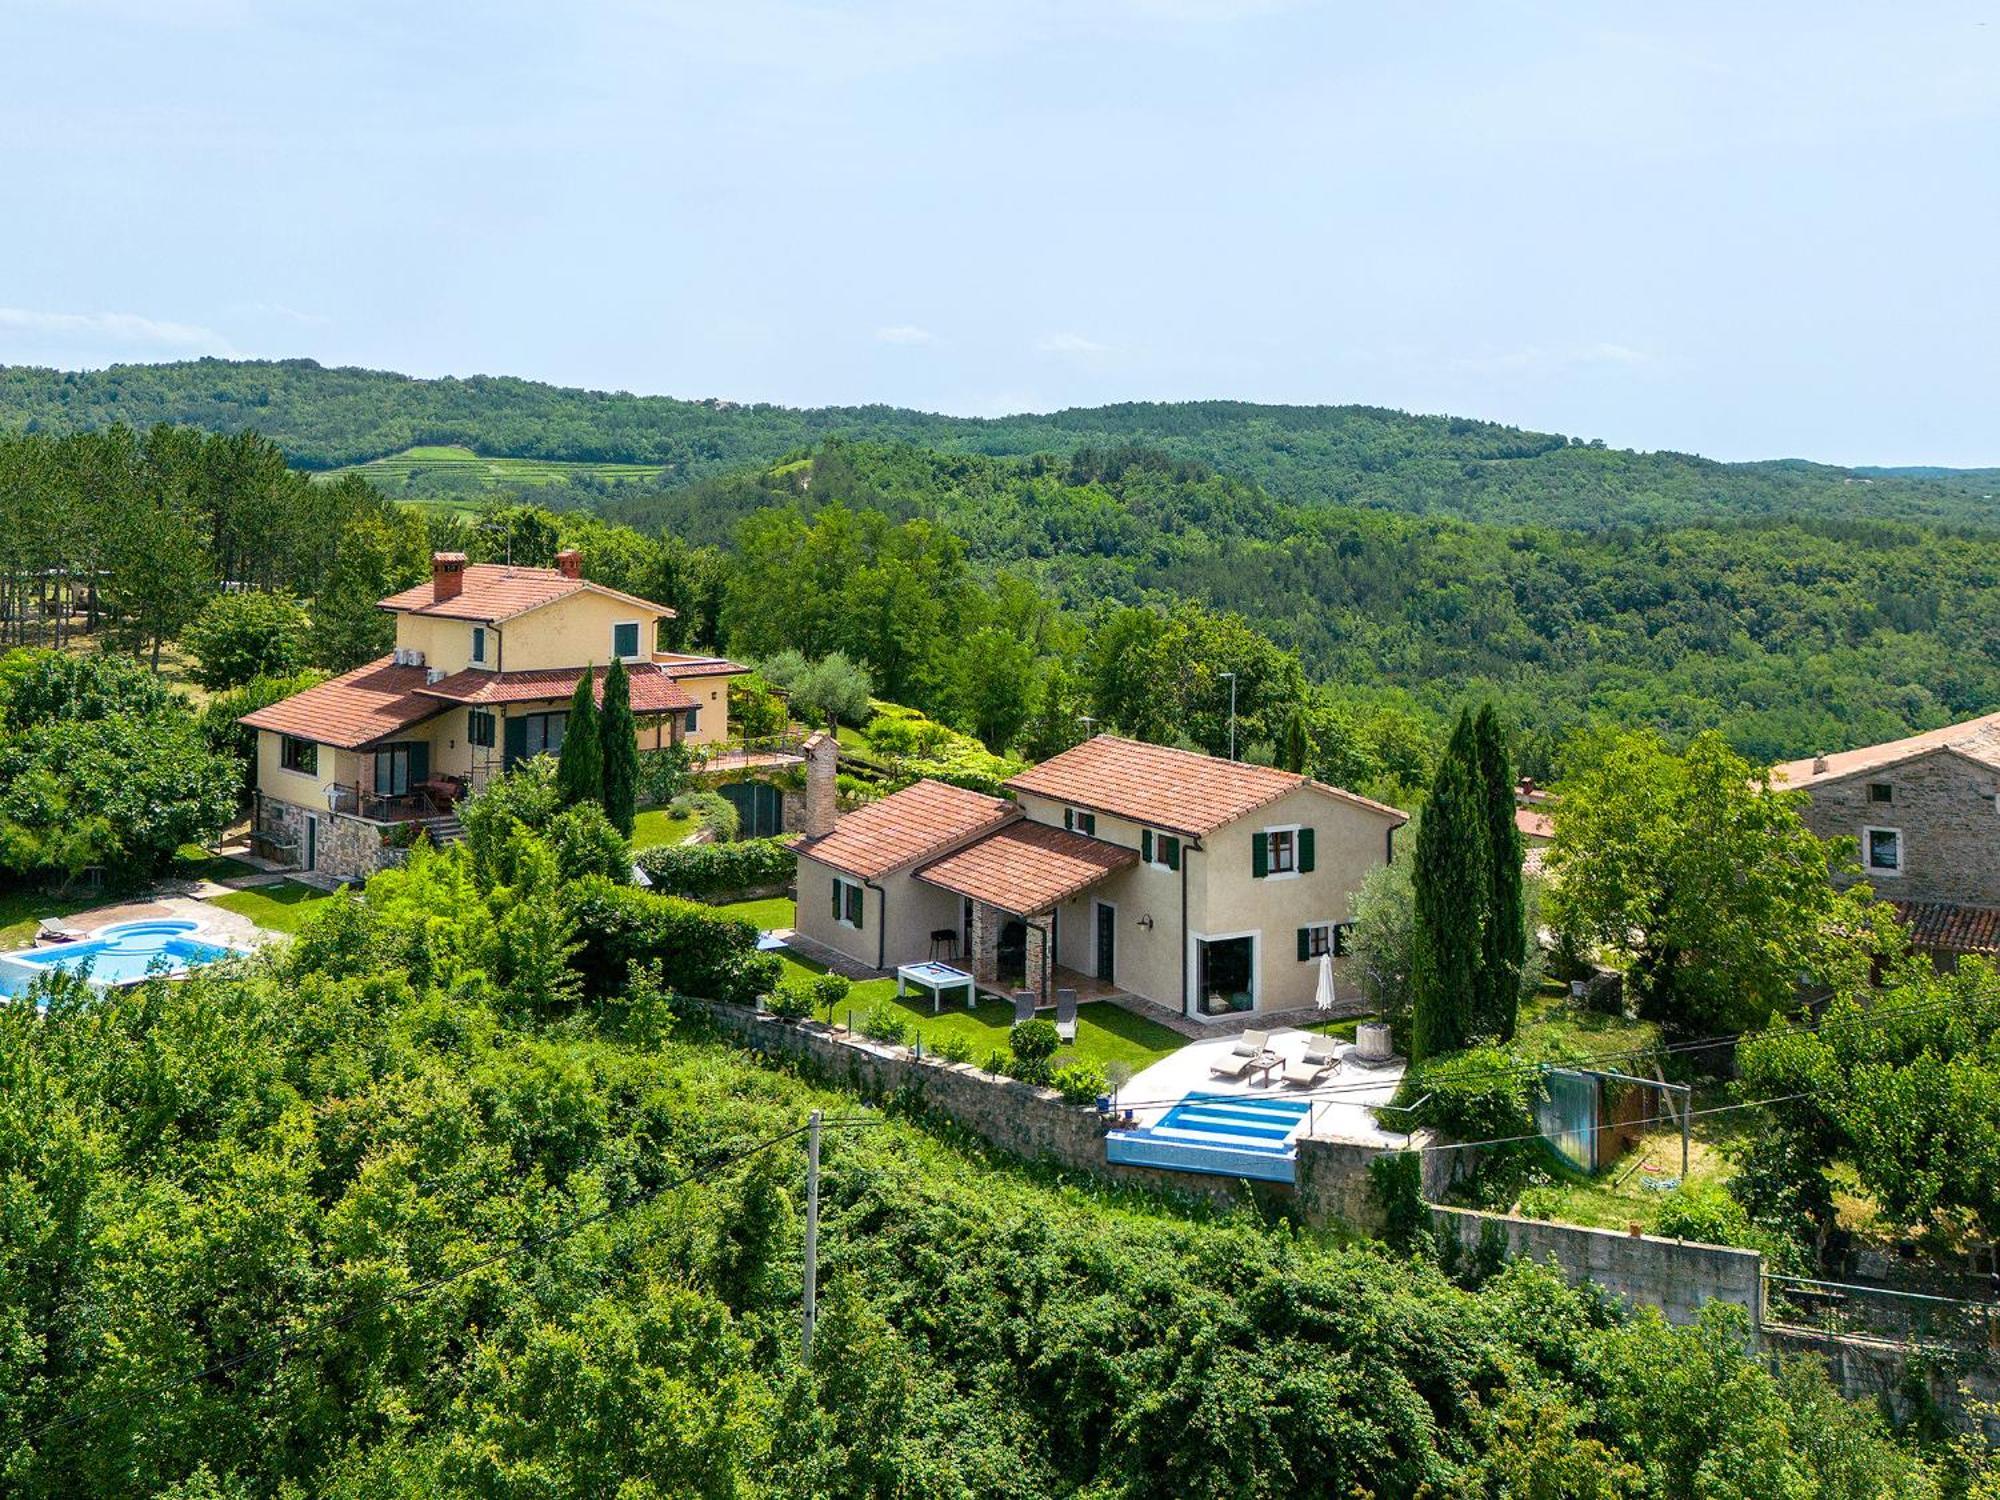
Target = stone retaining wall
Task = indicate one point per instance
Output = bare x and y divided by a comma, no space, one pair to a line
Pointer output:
1675,1276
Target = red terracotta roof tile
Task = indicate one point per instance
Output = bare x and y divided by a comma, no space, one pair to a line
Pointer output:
1977,738
1946,927
352,710
1534,823
1181,791
924,819
1026,868
653,691
494,591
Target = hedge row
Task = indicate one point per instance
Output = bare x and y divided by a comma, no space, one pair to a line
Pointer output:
700,950
701,870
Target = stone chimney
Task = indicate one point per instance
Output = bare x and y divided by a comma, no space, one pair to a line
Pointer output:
1819,762
569,563
447,576
822,765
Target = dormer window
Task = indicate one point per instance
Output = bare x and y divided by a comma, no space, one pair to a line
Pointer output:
479,643
625,640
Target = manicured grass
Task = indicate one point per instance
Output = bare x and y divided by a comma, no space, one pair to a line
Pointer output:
656,826
21,910
276,908
195,863
1105,1033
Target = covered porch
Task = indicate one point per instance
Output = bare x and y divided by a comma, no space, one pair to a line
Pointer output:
1011,884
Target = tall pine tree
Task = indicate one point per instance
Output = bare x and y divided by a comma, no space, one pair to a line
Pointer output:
1452,880
1504,936
580,773
618,738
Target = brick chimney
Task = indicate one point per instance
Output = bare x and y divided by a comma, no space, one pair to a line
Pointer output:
569,563
822,766
447,576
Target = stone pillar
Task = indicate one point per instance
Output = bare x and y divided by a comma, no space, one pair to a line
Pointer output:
822,765
1037,975
985,955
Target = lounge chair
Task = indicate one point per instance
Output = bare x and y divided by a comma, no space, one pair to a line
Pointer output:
1239,1057
1024,1006
1322,1056
1066,1015
51,930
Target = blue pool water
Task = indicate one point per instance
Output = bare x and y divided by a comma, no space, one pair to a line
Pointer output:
1230,1135
120,954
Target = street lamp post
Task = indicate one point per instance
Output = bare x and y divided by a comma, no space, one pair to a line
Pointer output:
1232,713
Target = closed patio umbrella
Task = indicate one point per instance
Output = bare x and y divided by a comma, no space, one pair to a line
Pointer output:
1324,999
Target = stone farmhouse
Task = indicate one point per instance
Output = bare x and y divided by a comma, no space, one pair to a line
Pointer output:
486,659
1923,815
1205,886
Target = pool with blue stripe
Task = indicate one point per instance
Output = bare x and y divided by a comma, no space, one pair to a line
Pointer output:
1227,1135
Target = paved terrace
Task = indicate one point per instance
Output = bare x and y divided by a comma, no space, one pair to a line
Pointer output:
1342,1102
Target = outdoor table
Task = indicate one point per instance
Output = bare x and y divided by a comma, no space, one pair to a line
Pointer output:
1266,1062
937,978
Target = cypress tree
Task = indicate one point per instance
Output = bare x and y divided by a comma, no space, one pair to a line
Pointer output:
1505,934
1451,880
618,736
1294,742
580,773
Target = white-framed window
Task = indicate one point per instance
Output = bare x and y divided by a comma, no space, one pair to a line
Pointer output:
1160,850
1283,852
625,640
848,903
1882,851
479,643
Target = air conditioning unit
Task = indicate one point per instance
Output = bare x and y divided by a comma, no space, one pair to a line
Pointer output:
416,657
435,674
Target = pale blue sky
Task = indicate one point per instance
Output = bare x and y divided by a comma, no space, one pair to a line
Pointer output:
1745,230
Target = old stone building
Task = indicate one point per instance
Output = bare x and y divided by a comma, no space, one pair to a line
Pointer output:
1925,827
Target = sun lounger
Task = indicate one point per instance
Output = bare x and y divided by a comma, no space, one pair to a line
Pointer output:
1322,1056
1024,1006
1239,1058
1066,1015
51,930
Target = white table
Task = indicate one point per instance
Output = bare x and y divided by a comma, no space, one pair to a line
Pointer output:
937,978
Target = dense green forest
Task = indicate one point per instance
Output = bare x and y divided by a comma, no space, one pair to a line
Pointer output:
1311,455
444,1198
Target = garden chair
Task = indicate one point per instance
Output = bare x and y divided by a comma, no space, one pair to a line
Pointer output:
1066,1015
1238,1059
1024,1006
1322,1056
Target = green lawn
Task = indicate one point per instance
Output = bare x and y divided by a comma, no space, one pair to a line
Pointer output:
656,826
1105,1033
21,910
276,908
193,862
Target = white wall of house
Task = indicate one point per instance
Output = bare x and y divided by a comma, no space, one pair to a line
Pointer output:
914,911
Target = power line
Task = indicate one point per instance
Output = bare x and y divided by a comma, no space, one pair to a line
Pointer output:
281,1343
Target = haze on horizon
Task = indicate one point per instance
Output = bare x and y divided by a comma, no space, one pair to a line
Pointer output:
1744,231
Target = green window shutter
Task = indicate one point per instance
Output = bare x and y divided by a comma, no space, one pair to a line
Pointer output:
1069,818
1088,824
1305,944
1260,856
420,761
836,901
1305,851
1173,847
517,740
860,908
1146,846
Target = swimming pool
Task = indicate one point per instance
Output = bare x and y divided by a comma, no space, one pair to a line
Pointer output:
120,954
1230,1135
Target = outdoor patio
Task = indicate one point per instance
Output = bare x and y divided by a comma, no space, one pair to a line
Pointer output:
1342,1102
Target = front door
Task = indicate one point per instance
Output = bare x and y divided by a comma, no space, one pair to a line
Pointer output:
1107,956
312,842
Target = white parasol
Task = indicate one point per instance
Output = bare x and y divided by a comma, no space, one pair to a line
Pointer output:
1323,1000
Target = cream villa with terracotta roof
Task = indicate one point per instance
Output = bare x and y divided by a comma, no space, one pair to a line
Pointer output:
1924,820
486,659
1204,885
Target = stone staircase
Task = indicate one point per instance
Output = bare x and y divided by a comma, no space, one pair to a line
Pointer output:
444,829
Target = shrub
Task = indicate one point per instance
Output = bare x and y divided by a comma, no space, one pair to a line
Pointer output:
792,1000
585,843
711,810
699,950
1702,1213
828,990
663,773
886,1023
1034,1041
1480,1094
999,1062
238,637
1080,1082
698,870
954,1047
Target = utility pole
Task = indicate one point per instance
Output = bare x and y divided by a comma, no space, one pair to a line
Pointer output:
1232,713
812,1232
